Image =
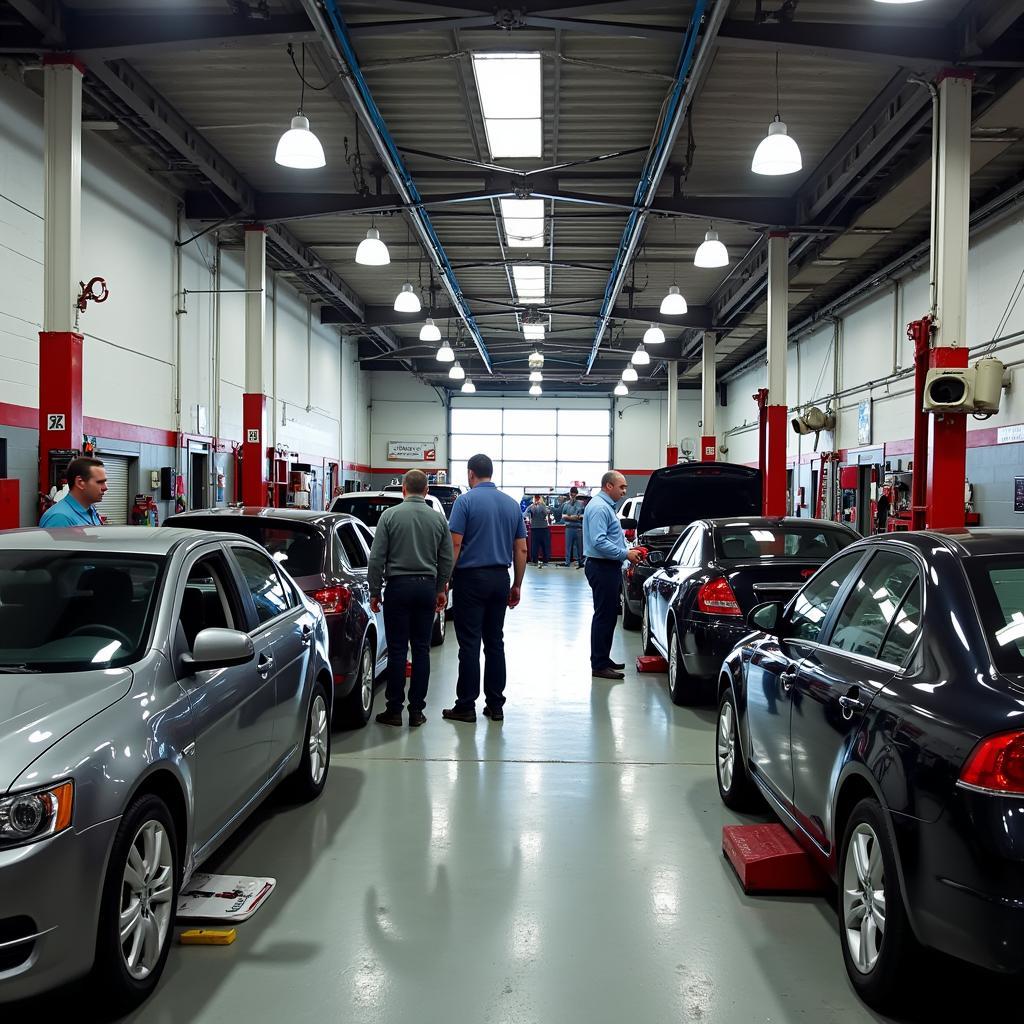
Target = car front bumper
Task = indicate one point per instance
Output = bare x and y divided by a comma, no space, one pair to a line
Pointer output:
51,890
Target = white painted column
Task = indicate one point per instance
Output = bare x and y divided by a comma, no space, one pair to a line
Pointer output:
672,441
255,307
708,387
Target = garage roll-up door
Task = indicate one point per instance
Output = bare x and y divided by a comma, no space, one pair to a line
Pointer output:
114,506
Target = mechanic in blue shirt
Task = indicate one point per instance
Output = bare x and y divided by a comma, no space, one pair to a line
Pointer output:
488,535
87,483
572,516
604,547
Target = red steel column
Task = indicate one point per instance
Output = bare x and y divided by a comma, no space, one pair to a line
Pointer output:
60,344
947,442
778,334
254,401
708,386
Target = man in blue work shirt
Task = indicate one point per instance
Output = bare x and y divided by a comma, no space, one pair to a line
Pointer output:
488,535
604,546
87,483
572,516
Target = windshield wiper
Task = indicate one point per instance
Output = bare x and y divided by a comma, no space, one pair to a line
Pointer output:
17,669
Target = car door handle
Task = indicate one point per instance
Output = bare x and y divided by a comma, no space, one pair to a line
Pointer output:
264,665
850,705
788,679
307,635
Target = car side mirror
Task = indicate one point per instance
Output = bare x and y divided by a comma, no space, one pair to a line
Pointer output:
218,648
656,558
766,617
627,524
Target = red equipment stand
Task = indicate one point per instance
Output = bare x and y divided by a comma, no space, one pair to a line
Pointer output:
768,859
10,506
651,663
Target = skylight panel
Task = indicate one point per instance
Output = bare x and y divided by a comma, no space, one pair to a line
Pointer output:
533,332
524,222
529,281
509,88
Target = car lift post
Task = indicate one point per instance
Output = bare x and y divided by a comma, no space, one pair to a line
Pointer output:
777,414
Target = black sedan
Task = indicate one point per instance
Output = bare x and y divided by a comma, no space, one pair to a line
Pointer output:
695,603
327,555
881,714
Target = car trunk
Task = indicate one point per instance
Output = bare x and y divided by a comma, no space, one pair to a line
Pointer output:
754,582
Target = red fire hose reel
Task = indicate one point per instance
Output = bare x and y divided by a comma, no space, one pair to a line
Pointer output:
89,292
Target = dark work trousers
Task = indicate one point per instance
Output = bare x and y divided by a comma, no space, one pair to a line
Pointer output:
605,579
540,540
574,543
481,600
408,622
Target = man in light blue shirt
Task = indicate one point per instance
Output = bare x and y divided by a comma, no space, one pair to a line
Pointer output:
87,483
604,546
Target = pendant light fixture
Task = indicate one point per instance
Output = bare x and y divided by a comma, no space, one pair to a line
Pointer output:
640,356
778,153
430,331
445,354
456,372
621,390
536,376
630,376
299,147
674,304
536,360
536,389
712,253
468,387
654,335
372,252
407,301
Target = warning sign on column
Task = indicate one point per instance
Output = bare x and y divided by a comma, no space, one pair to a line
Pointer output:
252,436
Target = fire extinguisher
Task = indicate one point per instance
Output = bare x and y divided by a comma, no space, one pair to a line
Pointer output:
145,511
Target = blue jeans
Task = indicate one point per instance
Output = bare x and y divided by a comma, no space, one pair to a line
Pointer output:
481,600
574,542
408,622
540,542
605,579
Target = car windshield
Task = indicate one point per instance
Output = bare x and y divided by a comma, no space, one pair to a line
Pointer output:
998,585
366,510
815,543
74,611
297,547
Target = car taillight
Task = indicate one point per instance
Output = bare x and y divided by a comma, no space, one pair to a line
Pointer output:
997,764
333,600
717,598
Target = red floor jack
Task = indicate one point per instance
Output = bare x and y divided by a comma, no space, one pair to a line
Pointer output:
768,859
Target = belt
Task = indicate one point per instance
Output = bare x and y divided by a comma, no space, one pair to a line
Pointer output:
604,561
480,568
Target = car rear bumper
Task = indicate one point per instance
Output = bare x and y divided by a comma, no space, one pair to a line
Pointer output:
51,890
706,644
343,652
964,879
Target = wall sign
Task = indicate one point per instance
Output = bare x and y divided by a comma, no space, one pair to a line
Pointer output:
1008,435
864,422
56,421
412,451
1018,494
252,436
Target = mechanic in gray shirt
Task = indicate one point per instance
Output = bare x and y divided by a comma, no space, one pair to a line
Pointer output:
540,530
412,551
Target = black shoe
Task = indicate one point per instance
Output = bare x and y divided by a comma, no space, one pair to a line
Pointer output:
390,718
607,673
618,665
579,565
416,718
494,714
457,714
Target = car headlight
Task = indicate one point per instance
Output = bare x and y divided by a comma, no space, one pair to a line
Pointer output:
25,817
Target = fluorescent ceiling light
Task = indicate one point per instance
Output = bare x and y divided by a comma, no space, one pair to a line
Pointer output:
445,354
630,376
536,389
777,152
524,222
536,376
509,88
654,335
372,252
533,332
673,304
712,253
468,388
407,301
621,389
457,372
299,147
529,280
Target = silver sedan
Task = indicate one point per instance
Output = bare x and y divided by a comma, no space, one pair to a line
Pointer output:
155,686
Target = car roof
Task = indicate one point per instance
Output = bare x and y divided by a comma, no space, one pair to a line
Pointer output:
312,517
120,540
788,521
964,543
375,494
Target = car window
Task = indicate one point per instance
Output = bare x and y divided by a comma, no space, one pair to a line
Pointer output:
871,606
368,510
354,551
269,593
807,615
206,601
797,541
904,630
998,585
365,534
688,549
299,547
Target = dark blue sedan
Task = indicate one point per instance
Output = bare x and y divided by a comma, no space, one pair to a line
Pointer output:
881,715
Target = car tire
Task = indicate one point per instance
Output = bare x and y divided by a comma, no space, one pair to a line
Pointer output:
308,780
735,786
646,644
882,954
682,687
143,877
354,710
630,620
439,631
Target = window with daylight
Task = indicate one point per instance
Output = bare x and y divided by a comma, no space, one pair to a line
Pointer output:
533,449
509,88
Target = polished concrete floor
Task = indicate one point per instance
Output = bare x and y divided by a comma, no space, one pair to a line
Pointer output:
564,866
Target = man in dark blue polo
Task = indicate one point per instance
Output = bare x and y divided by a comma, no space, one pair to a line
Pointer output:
488,535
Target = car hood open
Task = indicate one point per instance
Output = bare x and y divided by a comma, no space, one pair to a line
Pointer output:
39,709
679,495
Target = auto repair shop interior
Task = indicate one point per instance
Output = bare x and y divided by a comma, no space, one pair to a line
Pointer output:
764,258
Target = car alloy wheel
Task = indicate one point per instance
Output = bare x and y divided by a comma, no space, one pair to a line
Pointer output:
726,745
319,730
645,628
864,898
673,660
147,891
366,679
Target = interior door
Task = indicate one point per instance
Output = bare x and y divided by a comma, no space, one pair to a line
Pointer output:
232,708
772,673
837,682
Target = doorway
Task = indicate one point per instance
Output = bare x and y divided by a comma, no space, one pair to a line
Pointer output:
198,479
